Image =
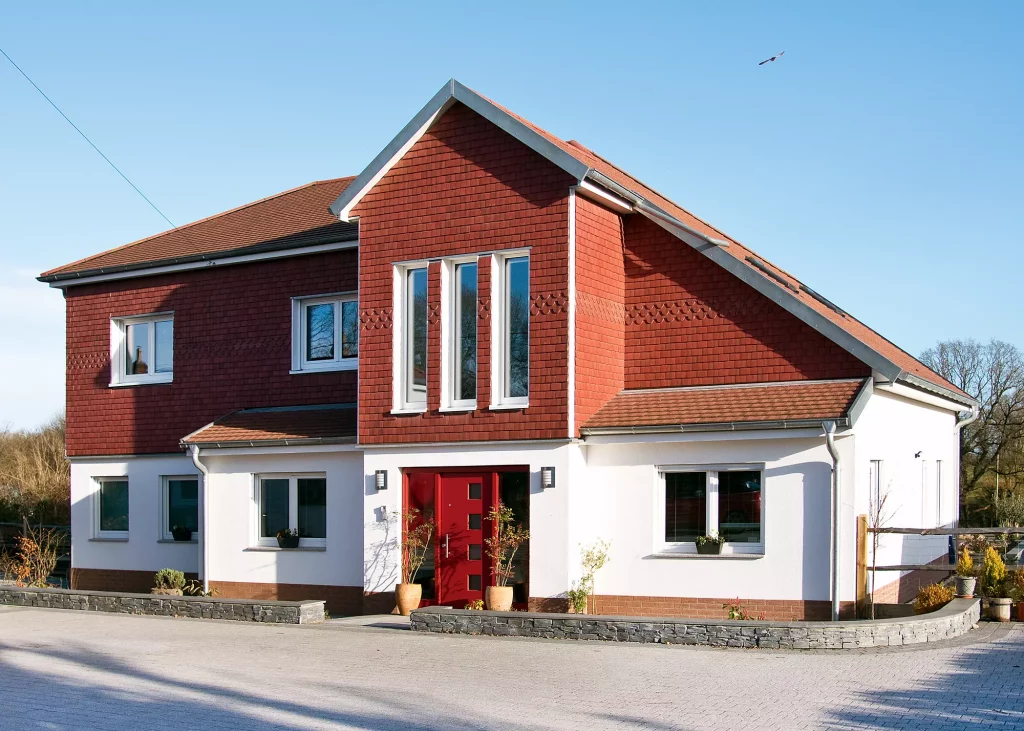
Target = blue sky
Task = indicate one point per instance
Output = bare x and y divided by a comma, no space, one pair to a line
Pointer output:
879,160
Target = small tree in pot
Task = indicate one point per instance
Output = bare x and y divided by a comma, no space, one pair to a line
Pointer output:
501,548
415,544
966,575
994,585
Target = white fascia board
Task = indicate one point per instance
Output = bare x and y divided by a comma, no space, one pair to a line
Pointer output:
810,432
450,93
209,451
571,339
599,195
213,261
914,394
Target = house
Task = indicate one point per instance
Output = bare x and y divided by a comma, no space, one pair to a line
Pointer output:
486,313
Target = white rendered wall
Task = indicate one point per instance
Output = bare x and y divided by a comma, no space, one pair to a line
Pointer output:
234,554
143,551
549,509
616,498
894,430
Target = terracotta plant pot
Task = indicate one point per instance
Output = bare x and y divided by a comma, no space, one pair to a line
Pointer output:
965,586
166,592
999,608
407,597
498,598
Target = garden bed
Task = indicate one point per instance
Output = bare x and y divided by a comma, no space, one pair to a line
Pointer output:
243,610
952,620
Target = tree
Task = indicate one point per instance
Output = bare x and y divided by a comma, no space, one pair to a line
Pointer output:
35,477
992,445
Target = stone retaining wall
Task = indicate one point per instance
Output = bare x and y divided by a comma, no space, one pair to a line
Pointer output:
306,612
953,620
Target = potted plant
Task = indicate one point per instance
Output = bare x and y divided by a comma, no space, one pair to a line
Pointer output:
502,548
168,581
287,538
181,533
710,545
966,575
995,587
415,544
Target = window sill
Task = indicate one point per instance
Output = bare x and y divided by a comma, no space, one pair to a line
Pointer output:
703,556
462,409
354,366
109,539
171,540
508,407
272,549
406,411
148,382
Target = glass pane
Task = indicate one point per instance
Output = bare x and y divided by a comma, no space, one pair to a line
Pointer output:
114,505
349,329
517,281
164,346
475,491
686,506
320,331
514,491
137,350
420,486
312,507
416,375
475,521
739,506
475,582
273,507
465,306
183,504
475,551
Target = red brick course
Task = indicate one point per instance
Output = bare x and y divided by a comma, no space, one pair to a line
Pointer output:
781,610
689,322
342,600
466,187
121,580
232,349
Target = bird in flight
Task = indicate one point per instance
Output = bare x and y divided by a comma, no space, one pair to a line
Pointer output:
777,55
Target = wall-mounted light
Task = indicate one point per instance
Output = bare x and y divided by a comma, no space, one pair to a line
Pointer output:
547,477
380,480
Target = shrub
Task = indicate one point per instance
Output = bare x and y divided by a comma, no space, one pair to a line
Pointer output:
476,605
965,566
34,559
993,573
592,559
711,537
169,579
932,597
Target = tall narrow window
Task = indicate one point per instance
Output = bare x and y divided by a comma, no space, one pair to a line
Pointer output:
511,341
685,506
939,495
180,504
142,350
325,333
112,508
416,336
464,360
739,506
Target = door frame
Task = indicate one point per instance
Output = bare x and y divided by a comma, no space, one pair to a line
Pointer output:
494,471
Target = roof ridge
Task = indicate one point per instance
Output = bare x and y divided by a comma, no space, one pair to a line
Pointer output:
191,224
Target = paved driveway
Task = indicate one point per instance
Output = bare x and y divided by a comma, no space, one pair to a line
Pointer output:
78,670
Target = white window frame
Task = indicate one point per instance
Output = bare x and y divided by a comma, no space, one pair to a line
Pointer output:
165,507
401,324
499,332
939,496
299,335
119,375
293,508
661,546
110,535
452,334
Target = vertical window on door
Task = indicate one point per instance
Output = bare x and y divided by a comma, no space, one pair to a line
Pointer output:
325,333
414,338
112,508
511,321
463,328
298,503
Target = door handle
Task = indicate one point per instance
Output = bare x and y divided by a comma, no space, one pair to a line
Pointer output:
446,545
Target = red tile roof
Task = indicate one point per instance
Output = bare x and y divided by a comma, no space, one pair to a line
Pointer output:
716,405
297,217
295,425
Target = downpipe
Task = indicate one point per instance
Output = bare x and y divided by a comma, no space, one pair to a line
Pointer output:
960,424
204,554
830,430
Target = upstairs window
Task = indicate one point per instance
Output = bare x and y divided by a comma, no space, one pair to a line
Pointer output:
142,349
325,333
462,334
511,374
411,340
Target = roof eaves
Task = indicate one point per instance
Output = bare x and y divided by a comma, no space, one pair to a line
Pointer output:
711,427
287,442
915,381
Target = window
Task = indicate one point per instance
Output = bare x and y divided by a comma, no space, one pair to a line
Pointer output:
325,333
462,334
512,331
726,501
296,502
112,508
939,496
411,365
142,350
180,504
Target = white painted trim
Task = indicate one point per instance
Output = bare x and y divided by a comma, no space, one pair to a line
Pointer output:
604,198
451,332
499,344
109,535
571,336
164,530
293,508
914,394
214,261
338,363
401,353
118,350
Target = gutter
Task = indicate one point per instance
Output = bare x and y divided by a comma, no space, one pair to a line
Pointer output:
204,553
712,427
829,428
318,441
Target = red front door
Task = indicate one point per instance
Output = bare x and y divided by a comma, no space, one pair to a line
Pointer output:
463,569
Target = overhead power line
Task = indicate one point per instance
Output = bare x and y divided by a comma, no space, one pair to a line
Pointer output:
86,138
